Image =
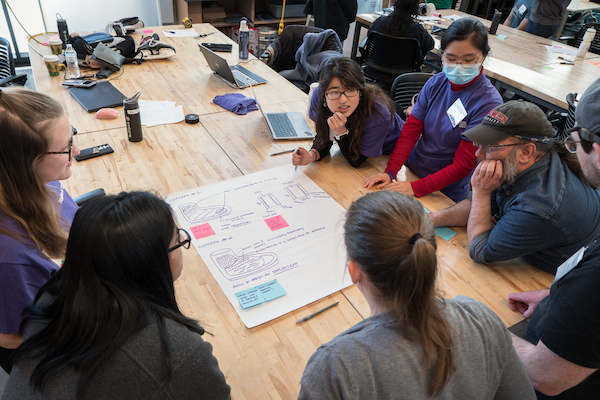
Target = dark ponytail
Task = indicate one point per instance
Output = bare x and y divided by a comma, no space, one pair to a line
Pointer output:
380,236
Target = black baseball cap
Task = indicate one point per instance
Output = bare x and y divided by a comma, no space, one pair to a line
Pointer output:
515,118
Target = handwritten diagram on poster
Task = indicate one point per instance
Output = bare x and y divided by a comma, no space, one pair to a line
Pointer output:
272,240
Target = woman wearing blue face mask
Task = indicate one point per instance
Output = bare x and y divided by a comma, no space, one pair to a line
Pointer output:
451,102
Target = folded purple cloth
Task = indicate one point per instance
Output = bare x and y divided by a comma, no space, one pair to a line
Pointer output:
236,102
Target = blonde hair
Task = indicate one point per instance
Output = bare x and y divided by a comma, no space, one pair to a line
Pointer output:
391,238
25,120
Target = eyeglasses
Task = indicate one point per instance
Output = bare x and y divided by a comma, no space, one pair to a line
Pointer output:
181,233
465,64
494,148
583,133
70,152
347,93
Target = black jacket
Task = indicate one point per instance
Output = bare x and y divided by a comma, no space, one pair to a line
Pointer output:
333,14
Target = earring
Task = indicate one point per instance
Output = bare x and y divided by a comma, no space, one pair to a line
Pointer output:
325,105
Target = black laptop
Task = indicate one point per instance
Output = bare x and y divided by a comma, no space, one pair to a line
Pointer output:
101,95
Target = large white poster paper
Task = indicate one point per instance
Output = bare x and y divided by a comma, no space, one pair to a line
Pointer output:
270,225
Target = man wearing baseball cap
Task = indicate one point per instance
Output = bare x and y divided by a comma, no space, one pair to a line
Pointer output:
561,350
529,196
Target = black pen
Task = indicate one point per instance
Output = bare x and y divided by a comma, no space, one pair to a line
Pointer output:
317,313
296,169
283,152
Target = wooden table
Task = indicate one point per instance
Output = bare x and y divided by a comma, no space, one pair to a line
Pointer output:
266,361
516,61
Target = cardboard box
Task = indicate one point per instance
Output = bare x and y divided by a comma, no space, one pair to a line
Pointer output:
213,14
253,34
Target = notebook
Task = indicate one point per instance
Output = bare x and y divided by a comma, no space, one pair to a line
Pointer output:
101,95
236,75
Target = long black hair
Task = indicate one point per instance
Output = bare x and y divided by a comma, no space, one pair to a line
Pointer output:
116,279
351,77
467,29
404,10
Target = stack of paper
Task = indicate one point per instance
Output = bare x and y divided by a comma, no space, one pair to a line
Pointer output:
160,112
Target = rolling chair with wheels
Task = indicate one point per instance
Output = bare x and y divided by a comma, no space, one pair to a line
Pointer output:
404,88
388,56
7,66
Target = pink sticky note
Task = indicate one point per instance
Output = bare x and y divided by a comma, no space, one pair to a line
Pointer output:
149,31
202,231
277,222
45,44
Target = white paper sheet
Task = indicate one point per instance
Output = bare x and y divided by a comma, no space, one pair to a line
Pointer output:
572,51
274,224
180,32
454,17
154,113
428,18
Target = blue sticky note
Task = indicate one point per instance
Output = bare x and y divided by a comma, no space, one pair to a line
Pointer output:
501,37
445,233
428,212
250,298
271,290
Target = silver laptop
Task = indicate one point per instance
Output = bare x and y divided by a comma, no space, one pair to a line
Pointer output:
236,75
287,126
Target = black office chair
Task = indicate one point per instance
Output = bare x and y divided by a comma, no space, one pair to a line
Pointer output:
570,120
388,56
404,88
7,67
576,41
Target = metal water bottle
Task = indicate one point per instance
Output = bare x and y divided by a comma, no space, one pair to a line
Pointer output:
133,118
63,30
244,39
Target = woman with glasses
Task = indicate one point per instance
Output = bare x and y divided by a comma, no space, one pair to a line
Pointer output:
107,325
36,149
415,345
358,116
451,102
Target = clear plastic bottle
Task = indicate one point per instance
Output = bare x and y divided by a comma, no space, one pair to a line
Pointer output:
72,64
586,42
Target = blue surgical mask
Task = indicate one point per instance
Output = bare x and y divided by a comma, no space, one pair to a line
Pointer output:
461,76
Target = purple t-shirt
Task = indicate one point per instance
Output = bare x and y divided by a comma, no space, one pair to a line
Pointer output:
24,269
379,135
439,141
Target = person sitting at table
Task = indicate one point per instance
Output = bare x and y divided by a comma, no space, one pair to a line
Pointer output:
519,15
358,116
530,198
415,344
560,349
107,325
400,23
36,150
431,144
546,16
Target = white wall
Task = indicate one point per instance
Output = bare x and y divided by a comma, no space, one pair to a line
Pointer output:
89,15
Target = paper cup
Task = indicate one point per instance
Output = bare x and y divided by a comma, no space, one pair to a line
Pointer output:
52,64
55,46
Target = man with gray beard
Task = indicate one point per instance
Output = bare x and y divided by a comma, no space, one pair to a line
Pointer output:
529,196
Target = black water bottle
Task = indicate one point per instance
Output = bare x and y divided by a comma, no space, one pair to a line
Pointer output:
63,31
133,118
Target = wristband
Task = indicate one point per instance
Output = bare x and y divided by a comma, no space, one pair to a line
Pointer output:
315,153
338,137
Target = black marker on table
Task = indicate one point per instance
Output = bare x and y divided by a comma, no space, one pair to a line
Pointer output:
317,313
296,168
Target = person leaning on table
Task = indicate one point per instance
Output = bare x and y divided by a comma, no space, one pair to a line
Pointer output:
107,325
561,350
36,152
529,196
415,345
